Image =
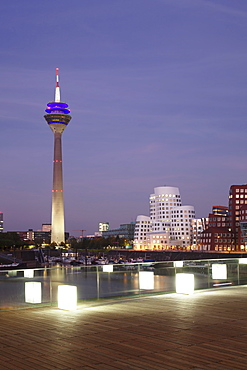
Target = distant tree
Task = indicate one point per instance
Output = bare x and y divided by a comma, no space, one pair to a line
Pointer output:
10,239
38,242
100,243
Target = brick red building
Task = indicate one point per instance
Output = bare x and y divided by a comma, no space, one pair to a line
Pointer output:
227,229
218,239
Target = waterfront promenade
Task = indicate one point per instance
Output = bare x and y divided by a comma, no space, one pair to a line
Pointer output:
207,330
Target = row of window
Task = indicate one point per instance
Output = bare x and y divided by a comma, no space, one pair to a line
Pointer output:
180,224
190,216
178,233
218,218
178,228
217,240
143,222
181,211
223,224
160,241
239,190
174,204
142,227
216,234
238,202
159,212
154,218
223,247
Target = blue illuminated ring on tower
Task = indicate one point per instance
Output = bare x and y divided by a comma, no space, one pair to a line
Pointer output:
64,123
57,107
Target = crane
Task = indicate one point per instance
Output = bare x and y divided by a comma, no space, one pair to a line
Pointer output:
82,230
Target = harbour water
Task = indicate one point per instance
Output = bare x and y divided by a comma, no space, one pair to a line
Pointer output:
91,282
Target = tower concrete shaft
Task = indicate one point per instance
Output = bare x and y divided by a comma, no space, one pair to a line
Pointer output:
57,213
57,118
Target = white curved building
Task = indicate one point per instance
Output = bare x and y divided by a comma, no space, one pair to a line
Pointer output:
181,226
170,222
161,204
142,227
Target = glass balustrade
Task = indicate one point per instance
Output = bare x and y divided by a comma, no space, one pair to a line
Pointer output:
32,287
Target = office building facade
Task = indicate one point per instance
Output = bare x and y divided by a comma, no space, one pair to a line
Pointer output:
125,231
198,225
104,226
227,230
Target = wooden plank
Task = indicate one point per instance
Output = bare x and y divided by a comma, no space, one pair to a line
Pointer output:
204,331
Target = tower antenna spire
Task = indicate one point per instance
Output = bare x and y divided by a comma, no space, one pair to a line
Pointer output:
57,89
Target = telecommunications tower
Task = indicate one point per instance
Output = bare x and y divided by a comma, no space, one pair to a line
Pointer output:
57,118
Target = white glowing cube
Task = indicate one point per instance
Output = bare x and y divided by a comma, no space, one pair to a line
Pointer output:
33,292
178,263
107,268
29,273
185,283
219,271
12,273
242,261
146,280
67,297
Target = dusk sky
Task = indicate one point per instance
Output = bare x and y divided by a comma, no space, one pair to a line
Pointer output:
158,96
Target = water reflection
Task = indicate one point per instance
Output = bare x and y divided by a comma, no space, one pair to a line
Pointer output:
93,283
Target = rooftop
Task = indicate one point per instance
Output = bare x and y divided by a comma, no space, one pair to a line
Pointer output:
206,330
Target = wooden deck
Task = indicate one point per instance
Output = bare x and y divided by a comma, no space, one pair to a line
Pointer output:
207,330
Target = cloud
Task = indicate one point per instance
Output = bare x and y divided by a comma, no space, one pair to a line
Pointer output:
221,7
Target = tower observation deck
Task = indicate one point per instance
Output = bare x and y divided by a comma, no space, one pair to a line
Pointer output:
57,118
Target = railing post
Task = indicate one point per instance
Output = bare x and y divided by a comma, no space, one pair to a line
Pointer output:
50,290
238,272
97,274
138,269
208,274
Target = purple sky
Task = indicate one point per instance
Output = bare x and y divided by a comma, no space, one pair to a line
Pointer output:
157,91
